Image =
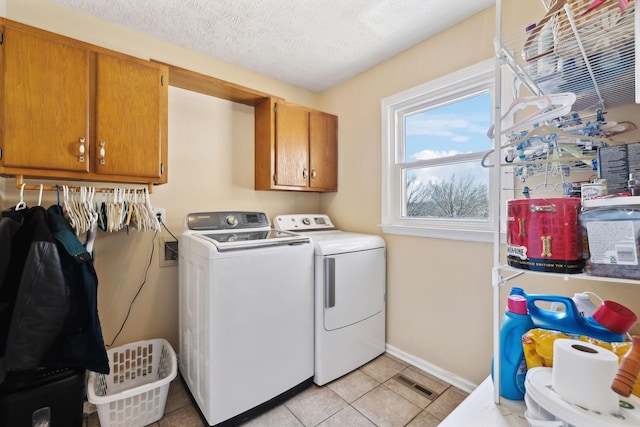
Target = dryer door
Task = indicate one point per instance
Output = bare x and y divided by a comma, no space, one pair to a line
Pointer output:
353,287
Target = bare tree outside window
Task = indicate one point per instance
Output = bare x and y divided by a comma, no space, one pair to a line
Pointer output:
450,198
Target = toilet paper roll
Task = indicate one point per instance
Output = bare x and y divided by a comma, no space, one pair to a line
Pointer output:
582,374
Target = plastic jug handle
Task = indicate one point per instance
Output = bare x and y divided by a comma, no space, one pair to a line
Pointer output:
570,313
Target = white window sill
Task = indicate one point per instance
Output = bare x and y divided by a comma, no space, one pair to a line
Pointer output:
484,236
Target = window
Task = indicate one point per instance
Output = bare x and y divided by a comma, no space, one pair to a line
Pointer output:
434,138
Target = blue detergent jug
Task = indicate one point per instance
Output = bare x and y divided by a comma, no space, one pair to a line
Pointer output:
513,368
568,320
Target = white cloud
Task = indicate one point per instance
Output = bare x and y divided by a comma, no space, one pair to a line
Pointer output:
432,154
429,126
461,138
454,127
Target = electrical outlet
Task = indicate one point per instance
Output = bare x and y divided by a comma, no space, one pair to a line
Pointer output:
168,254
161,213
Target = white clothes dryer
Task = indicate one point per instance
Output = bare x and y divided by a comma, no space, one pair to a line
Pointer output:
246,314
350,292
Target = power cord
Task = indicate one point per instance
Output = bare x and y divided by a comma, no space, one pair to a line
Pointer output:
144,280
153,245
175,252
165,227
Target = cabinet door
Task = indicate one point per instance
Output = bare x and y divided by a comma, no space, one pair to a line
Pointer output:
131,103
292,145
323,151
45,110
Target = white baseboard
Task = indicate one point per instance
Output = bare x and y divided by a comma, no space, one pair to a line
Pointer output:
434,370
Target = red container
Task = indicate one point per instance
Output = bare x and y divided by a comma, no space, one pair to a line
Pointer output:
544,235
615,317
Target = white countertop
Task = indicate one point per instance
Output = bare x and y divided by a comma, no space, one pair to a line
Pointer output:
479,410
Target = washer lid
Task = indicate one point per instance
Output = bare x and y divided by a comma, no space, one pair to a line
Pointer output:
252,239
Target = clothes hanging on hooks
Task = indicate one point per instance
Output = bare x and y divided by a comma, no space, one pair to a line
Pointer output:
48,304
81,339
48,315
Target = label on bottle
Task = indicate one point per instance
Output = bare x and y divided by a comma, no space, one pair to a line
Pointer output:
521,374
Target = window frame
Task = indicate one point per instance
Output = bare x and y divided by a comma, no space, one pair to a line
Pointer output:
464,83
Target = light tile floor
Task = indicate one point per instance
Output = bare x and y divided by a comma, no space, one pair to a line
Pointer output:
367,397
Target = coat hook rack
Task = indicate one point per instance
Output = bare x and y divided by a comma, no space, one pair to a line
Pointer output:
20,185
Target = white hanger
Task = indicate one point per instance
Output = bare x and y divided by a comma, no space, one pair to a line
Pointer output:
549,107
21,204
545,131
121,208
92,206
85,207
77,208
111,211
67,207
155,224
92,231
40,195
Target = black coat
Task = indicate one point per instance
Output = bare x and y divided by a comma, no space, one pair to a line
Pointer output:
34,299
80,342
48,295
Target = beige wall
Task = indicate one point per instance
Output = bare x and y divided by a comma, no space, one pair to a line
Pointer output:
439,293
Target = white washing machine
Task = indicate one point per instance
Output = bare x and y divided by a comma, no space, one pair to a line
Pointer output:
246,314
350,290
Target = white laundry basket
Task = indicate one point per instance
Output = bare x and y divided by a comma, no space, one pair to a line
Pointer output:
134,393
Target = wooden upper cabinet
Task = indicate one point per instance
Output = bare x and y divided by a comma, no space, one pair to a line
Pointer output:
129,121
291,145
323,151
61,97
45,112
295,148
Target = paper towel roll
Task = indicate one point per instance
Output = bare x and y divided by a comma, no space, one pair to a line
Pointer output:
582,374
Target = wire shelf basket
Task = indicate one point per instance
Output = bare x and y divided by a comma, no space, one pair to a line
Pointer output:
590,53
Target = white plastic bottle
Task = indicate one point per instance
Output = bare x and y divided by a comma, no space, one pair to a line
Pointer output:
585,306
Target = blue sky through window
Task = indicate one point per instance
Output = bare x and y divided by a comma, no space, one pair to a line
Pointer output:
455,128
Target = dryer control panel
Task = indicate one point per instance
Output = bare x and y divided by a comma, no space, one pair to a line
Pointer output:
303,222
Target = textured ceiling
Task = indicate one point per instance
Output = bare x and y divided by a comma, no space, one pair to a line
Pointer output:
313,44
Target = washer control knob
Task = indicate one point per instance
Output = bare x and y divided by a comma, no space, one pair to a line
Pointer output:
306,221
232,220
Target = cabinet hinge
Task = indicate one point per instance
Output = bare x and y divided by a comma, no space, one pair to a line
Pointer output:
161,168
1,37
0,153
275,180
275,109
